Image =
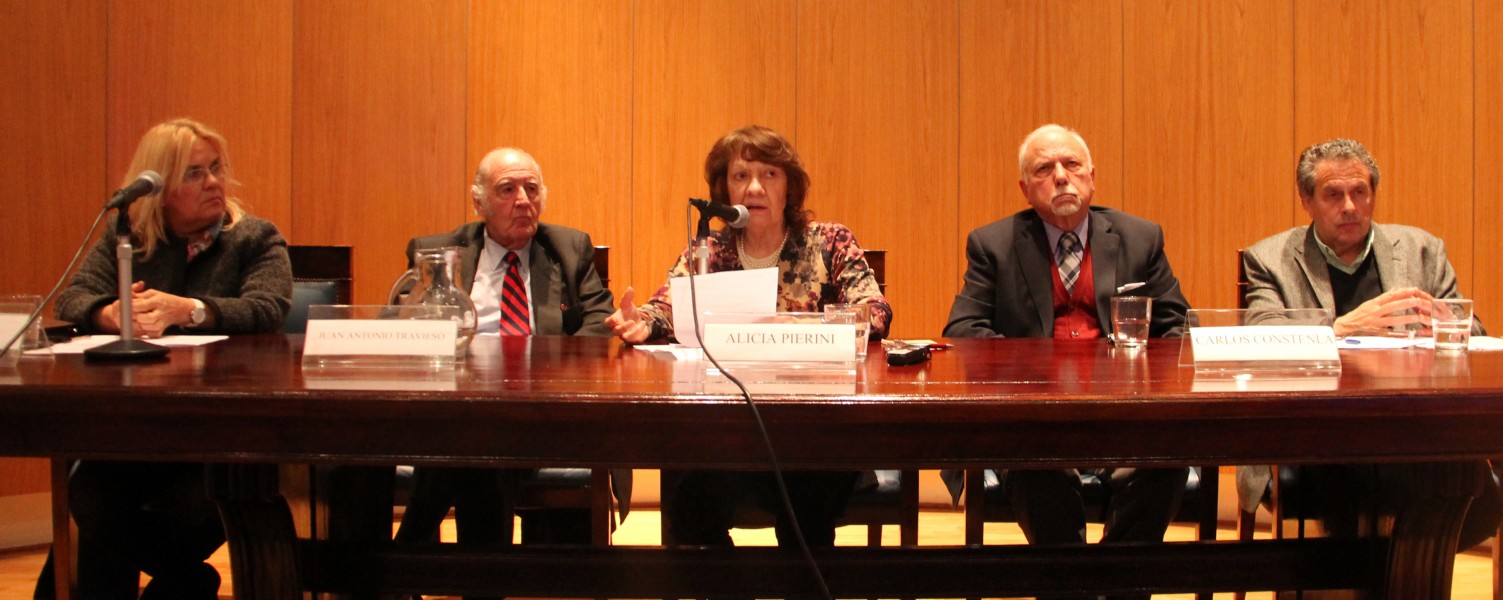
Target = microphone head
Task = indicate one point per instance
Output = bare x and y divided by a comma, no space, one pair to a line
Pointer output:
146,184
151,177
743,216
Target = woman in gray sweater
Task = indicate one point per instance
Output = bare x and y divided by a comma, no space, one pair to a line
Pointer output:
202,266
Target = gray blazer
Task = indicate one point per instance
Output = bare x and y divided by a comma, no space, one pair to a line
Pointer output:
1287,270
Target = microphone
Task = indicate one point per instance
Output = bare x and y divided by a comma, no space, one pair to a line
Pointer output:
146,184
734,215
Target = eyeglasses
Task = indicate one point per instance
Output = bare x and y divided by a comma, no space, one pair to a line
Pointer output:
198,174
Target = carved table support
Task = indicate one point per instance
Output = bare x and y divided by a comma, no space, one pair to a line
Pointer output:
259,527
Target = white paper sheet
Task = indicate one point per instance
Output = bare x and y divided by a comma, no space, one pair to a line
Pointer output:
752,291
84,342
674,351
1477,343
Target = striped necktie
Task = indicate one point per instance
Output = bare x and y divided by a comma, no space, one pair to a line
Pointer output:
514,314
1069,259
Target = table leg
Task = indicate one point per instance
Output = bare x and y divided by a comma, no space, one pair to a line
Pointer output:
64,551
1427,528
259,528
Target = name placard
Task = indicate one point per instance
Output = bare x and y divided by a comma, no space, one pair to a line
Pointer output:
781,342
1281,343
380,337
11,324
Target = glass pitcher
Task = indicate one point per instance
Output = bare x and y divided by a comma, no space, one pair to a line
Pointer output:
435,273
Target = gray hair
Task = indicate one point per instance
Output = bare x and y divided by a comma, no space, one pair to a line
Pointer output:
1339,148
1050,128
478,189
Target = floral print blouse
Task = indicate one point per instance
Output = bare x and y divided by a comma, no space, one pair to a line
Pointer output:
822,266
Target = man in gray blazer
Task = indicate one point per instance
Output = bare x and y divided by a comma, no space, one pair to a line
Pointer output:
1050,271
1377,278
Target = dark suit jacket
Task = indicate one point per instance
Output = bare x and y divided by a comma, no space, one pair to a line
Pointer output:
1009,281
567,296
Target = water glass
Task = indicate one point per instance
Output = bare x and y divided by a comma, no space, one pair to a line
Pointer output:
1451,323
860,315
1130,319
14,310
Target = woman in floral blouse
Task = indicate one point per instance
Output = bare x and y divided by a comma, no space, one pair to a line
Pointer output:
818,263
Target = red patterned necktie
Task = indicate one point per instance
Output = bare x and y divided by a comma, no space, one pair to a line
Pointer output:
514,314
1069,259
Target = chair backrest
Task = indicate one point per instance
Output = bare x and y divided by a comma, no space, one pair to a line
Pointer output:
877,260
603,265
1242,283
320,275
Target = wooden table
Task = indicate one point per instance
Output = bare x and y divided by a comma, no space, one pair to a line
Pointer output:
246,403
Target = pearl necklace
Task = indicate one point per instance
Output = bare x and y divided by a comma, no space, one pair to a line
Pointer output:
749,262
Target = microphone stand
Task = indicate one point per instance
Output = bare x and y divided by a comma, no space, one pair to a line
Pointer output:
127,347
701,250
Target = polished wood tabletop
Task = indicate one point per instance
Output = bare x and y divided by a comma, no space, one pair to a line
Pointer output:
560,401
596,402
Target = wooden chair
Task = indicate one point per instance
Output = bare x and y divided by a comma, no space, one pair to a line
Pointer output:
563,491
557,496
892,500
1247,521
320,275
1198,506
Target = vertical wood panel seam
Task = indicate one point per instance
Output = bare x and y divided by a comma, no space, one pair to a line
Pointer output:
105,108
1476,150
959,184
1127,205
1293,99
292,170
464,137
797,8
631,146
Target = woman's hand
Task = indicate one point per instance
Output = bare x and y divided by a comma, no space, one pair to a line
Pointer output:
152,312
107,320
626,323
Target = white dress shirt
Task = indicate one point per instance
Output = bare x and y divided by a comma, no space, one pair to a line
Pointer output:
490,275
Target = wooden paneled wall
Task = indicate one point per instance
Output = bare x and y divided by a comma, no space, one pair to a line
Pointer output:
360,123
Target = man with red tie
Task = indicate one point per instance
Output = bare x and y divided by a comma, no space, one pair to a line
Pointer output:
525,278
1050,271
560,292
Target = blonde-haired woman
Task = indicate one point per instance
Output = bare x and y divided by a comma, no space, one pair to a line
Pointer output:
203,265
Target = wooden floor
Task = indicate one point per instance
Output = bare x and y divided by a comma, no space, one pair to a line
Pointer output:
1473,576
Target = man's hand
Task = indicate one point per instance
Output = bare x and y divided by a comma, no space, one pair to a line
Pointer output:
626,323
1393,309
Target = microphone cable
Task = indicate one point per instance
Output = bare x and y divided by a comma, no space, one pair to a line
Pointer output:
777,467
30,321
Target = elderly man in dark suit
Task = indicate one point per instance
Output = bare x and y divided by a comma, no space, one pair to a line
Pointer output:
525,278
1050,271
1377,278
